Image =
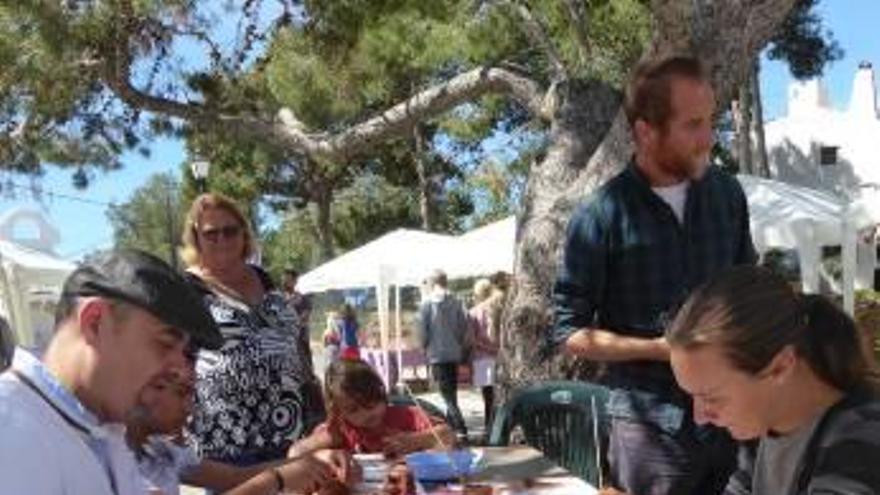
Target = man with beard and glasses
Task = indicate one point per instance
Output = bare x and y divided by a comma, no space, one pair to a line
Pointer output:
633,252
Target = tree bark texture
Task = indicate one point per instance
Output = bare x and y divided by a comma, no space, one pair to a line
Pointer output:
742,119
428,193
761,163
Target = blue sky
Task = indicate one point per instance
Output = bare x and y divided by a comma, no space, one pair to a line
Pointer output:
84,227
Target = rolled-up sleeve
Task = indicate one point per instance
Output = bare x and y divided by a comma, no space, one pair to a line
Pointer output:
580,283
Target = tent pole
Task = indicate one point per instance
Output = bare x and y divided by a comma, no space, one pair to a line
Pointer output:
397,320
849,259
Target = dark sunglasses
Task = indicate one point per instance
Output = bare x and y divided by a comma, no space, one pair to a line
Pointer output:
227,232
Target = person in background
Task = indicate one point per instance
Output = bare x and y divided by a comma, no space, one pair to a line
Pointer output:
154,432
360,419
123,319
301,303
331,338
485,346
348,330
445,334
258,393
768,363
633,252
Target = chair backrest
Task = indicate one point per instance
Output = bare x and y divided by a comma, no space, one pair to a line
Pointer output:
557,419
405,400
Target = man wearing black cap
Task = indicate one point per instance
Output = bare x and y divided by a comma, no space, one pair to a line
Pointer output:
122,320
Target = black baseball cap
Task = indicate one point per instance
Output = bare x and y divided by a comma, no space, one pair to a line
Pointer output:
151,284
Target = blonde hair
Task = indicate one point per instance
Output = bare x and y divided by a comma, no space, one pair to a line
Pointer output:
482,290
189,253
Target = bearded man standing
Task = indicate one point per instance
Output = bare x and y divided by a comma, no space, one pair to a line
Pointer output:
633,252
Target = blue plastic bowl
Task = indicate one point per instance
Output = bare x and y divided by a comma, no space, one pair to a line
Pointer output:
441,466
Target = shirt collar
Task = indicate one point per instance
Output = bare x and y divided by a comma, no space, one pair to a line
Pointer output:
639,176
41,377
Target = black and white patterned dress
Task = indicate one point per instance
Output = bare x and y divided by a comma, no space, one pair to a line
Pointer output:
258,393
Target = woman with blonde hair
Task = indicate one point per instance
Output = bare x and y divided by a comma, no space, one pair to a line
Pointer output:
483,320
258,393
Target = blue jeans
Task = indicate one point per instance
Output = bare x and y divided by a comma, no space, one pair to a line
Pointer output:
647,460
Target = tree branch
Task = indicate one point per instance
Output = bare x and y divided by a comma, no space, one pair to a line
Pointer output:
288,132
397,120
578,18
535,30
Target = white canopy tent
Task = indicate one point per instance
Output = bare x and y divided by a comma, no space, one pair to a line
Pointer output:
404,257
31,277
400,258
804,219
484,250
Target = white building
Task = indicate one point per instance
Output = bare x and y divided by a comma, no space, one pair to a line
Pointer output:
817,146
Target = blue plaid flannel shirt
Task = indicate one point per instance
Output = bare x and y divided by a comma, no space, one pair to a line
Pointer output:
629,264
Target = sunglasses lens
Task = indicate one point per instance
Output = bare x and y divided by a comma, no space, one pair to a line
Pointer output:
230,231
227,232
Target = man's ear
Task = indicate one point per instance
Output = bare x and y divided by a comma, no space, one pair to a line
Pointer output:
91,315
644,133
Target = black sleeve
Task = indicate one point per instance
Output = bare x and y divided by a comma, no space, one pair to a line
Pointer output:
848,467
265,278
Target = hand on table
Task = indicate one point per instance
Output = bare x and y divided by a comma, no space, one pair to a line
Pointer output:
340,464
401,444
306,474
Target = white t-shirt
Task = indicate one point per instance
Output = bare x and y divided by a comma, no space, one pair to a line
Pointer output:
42,453
675,196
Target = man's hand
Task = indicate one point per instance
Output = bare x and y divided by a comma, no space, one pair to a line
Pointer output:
339,462
402,443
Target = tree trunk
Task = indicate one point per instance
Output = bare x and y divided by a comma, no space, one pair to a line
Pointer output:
589,142
323,198
742,121
762,164
427,189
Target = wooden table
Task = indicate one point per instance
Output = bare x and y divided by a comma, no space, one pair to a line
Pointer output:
516,471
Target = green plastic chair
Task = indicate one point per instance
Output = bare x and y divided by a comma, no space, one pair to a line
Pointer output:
557,419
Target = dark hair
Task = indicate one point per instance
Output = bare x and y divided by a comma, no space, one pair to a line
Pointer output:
347,313
438,278
355,380
500,280
291,272
649,91
65,307
753,313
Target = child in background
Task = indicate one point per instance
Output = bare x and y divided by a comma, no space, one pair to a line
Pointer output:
154,433
360,419
331,338
348,329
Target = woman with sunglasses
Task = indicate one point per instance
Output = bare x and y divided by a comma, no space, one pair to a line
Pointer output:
787,370
258,393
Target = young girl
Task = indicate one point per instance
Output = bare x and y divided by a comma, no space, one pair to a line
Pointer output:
360,419
154,434
787,369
